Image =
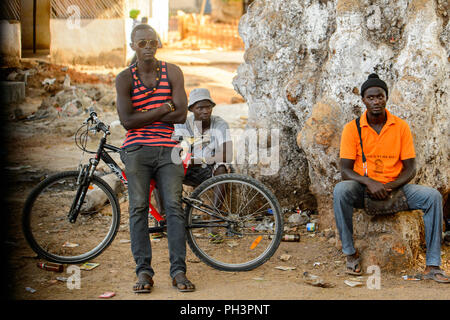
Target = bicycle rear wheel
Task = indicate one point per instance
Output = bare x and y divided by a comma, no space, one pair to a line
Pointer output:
234,222
47,228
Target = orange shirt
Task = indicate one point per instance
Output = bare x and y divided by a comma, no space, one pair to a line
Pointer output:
383,151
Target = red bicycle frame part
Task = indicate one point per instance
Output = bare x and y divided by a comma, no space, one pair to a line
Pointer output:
151,209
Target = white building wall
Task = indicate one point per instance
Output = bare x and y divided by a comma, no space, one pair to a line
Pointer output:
10,44
93,41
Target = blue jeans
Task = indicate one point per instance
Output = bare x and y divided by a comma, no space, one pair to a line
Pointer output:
143,163
349,194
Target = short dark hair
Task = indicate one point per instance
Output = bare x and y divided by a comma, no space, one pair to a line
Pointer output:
141,26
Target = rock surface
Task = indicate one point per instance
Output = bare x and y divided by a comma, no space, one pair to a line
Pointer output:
304,64
390,242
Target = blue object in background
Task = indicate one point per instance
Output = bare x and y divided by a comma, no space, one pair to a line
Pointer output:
207,7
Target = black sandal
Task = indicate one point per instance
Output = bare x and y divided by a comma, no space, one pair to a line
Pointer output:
188,286
144,283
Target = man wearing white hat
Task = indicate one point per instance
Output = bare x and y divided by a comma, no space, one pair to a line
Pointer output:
212,150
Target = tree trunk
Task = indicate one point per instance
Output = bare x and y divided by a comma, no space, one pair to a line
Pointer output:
391,242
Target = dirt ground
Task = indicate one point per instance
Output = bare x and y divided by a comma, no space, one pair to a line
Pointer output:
38,147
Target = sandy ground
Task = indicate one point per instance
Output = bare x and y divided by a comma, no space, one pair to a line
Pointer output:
39,147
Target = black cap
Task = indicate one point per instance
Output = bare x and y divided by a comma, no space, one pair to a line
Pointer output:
373,81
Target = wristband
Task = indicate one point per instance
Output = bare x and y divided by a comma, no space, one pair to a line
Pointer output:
171,106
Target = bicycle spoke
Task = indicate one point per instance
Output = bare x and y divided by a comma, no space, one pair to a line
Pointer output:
249,237
47,226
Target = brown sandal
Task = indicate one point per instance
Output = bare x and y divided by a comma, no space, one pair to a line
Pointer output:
353,264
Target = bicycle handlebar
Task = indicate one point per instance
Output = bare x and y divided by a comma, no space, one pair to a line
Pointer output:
100,126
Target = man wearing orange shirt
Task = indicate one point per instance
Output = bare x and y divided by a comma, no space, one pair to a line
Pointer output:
389,150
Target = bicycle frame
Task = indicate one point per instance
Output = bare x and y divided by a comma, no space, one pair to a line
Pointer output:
109,161
101,154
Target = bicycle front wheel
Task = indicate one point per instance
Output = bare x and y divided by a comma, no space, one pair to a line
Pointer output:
234,222
46,224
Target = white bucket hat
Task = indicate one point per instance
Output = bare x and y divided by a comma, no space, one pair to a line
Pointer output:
199,94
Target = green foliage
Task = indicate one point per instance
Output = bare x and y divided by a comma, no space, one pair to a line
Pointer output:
134,13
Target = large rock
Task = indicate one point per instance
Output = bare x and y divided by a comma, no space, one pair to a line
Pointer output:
12,92
304,64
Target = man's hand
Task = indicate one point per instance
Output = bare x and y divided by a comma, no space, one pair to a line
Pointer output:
377,190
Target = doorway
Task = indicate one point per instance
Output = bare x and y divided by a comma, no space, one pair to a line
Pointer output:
35,28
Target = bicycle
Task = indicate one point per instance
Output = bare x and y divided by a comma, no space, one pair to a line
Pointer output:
233,221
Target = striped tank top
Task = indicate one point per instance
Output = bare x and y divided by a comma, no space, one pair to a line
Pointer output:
157,134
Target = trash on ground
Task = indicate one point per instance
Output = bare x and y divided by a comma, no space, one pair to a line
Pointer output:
62,279
285,268
89,266
107,295
259,279
287,229
68,244
124,241
255,243
291,238
299,218
48,81
285,257
317,264
316,281
232,244
51,266
265,225
30,289
413,278
360,278
353,283
311,227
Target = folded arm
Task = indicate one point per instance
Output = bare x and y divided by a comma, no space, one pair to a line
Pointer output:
407,174
130,118
374,187
377,189
179,97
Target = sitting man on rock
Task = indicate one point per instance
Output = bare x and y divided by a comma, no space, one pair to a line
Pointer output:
389,149
212,150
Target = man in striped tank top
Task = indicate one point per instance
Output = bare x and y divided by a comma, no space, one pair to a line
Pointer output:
150,99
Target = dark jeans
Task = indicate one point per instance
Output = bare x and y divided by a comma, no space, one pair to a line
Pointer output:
349,194
143,163
195,175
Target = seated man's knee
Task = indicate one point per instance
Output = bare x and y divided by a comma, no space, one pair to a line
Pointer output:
435,196
345,187
220,170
